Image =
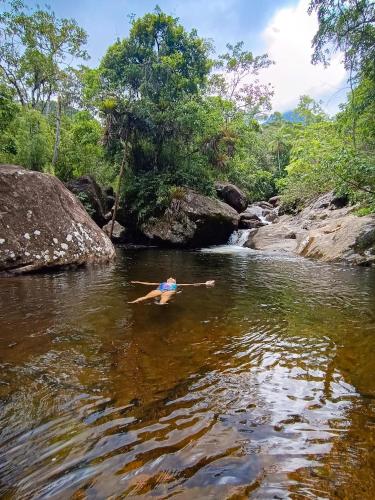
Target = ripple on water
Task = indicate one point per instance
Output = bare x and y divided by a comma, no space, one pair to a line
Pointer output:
261,386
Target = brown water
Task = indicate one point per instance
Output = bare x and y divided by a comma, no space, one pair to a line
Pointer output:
261,387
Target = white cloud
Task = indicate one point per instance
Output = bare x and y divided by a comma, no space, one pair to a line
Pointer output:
288,39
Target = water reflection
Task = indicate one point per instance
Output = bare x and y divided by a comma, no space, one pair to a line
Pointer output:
262,386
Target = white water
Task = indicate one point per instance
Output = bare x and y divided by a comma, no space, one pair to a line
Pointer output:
239,238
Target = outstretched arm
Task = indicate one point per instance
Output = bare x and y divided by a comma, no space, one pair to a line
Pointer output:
206,283
144,283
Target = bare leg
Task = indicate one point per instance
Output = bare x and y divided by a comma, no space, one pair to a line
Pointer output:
165,296
151,295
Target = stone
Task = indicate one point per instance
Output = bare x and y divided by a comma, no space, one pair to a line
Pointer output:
250,224
319,232
249,215
339,202
91,196
60,232
272,217
265,205
119,232
194,220
252,212
350,239
274,201
232,195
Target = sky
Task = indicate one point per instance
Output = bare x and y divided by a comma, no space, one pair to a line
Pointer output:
282,28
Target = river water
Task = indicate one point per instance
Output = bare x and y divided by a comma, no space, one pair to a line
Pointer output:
261,387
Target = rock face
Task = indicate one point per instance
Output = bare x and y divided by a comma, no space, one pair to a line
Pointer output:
231,195
192,221
119,232
42,224
321,231
92,196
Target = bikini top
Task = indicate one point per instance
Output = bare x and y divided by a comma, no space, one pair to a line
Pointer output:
167,287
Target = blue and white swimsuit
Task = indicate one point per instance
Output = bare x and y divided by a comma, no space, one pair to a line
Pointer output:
167,287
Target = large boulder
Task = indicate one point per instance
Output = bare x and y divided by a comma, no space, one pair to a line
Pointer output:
231,195
193,220
91,196
350,238
320,231
42,224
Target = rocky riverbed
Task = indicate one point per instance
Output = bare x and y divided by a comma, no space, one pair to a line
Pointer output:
43,224
324,230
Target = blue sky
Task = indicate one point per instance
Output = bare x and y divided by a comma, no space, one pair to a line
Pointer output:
280,27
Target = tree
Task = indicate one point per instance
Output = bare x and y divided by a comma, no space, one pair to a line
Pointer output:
236,81
34,50
159,60
347,26
29,140
310,110
148,83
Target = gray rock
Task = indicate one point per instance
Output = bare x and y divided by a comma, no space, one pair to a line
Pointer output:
192,221
272,217
250,224
232,195
265,204
42,224
248,215
91,196
274,201
119,232
321,233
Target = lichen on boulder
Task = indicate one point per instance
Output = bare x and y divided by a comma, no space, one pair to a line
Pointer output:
42,224
194,220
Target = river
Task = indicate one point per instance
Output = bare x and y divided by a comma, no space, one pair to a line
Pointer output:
260,387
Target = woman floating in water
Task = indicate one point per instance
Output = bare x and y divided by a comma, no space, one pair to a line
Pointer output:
166,290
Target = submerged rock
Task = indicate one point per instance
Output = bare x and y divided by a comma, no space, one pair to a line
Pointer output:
232,195
193,220
42,224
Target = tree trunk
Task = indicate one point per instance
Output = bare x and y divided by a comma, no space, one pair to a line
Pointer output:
278,158
117,199
58,130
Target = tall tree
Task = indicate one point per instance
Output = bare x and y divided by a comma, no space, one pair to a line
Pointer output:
35,48
236,81
310,111
35,51
152,77
347,26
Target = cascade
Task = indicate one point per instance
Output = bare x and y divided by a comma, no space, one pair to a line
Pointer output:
239,237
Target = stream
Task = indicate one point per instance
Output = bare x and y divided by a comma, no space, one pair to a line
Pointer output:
260,387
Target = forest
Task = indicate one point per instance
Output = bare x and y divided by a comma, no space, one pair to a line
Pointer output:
163,111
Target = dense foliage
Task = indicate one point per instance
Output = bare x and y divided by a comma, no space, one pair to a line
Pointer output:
161,113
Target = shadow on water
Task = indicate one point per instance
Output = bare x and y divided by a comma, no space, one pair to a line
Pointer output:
262,386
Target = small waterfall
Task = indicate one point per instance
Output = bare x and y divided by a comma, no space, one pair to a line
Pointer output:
238,238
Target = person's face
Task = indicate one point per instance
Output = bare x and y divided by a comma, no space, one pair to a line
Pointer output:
171,280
